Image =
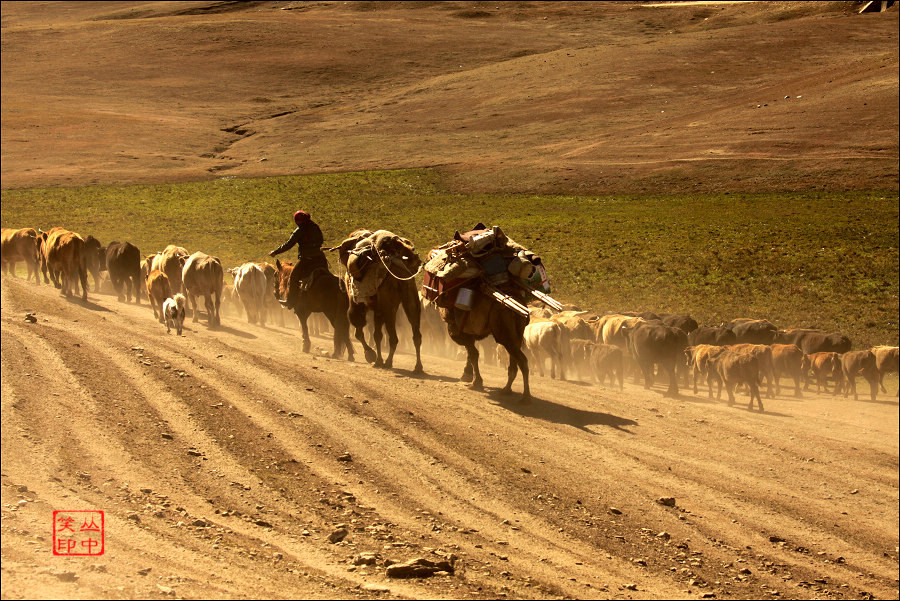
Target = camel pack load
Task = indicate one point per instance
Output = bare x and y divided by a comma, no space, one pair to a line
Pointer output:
370,257
486,261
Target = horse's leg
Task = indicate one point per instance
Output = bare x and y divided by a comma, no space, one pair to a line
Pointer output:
357,317
304,329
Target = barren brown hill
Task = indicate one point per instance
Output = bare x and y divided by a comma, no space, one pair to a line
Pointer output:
513,96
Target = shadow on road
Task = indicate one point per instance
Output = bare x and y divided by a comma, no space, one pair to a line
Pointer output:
561,414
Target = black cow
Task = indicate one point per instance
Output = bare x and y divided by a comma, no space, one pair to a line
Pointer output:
814,341
123,261
715,335
683,322
657,344
753,331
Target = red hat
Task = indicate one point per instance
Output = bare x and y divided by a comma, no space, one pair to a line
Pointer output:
301,217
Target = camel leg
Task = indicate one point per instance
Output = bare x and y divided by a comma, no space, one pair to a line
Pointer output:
413,311
357,317
518,361
472,360
391,325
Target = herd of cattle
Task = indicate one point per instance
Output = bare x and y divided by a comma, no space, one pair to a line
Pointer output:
742,352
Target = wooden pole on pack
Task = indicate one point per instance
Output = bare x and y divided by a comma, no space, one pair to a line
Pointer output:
507,301
541,296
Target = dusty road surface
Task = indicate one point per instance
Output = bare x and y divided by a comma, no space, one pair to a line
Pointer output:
228,464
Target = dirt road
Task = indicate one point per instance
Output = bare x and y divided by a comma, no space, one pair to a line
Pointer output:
226,463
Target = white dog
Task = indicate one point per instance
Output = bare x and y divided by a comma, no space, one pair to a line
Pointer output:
173,309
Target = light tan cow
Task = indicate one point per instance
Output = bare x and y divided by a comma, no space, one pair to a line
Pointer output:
20,245
203,276
171,262
887,360
787,359
545,339
698,357
250,287
64,257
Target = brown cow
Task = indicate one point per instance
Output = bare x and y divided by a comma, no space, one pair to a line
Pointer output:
203,276
64,257
94,258
886,361
823,366
787,359
608,359
20,245
171,262
859,363
737,367
43,249
158,290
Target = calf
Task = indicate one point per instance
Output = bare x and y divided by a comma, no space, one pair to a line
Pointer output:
859,363
607,359
787,359
580,353
823,366
173,309
735,367
158,290
765,362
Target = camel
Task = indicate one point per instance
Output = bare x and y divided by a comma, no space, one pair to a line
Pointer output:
488,316
384,285
324,294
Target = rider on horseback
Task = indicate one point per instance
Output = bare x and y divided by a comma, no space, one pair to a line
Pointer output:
308,238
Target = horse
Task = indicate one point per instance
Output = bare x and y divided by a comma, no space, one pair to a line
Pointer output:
323,294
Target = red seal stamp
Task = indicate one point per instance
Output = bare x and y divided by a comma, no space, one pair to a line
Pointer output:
78,532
